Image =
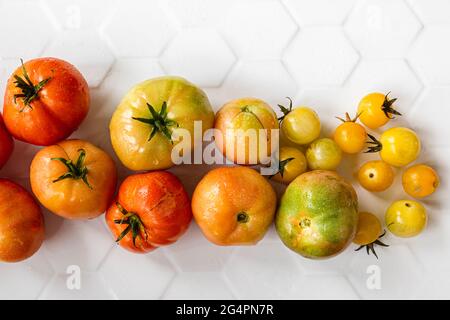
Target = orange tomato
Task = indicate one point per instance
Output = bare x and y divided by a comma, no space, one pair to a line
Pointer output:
350,136
420,181
376,175
6,144
376,109
234,206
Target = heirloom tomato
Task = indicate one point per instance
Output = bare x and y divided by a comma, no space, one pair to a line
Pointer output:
376,109
73,179
151,210
291,164
350,136
376,175
323,154
369,233
420,181
406,218
6,144
46,99
142,126
21,223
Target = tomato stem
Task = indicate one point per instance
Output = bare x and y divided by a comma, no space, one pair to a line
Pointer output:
285,110
348,119
370,247
135,225
388,108
281,167
77,170
376,145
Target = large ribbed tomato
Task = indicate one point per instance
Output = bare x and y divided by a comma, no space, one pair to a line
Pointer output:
6,144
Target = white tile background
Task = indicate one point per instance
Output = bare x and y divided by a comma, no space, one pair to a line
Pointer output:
324,53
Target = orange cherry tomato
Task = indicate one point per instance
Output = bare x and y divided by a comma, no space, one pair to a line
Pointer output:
420,181
376,175
376,109
350,136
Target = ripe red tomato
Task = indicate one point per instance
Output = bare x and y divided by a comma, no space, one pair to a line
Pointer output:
151,210
6,144
46,99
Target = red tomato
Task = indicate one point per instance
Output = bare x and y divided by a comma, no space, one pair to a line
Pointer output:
46,99
6,144
151,210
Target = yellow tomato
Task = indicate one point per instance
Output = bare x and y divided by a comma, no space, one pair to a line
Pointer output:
323,154
350,136
406,218
292,164
420,181
369,229
376,109
376,176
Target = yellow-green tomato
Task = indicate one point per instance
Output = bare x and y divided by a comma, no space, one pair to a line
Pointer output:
301,125
143,124
406,218
323,154
292,163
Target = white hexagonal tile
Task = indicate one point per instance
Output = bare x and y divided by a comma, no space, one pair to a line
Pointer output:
433,286
432,11
200,55
151,29
318,12
382,28
18,165
252,273
198,286
84,49
26,279
261,33
196,13
326,287
31,32
137,276
7,67
91,287
320,56
430,55
333,266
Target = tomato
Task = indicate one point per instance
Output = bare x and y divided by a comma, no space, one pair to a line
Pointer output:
376,109
376,176
420,181
74,179
323,154
368,233
143,124
406,218
21,223
151,210
46,99
300,125
397,146
292,163
6,143
350,136
239,124
234,206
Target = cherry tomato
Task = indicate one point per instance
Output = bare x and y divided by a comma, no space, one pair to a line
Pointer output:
406,218
376,176
74,179
21,223
350,136
292,163
6,144
46,100
151,210
368,233
323,154
420,181
376,109
397,146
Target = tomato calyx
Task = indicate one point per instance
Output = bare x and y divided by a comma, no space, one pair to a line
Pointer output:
159,122
134,223
348,119
76,171
370,247
388,108
285,110
281,167
29,90
376,145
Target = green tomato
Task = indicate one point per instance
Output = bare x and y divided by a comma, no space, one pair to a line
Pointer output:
301,125
406,218
323,154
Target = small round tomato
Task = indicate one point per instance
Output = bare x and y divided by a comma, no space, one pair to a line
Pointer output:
350,136
323,154
406,218
234,206
397,146
376,109
74,179
46,100
368,233
21,223
237,123
301,125
420,181
151,210
6,144
376,176
292,163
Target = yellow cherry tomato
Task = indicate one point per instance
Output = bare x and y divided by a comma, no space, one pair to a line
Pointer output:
350,136
369,229
376,109
376,176
323,154
420,181
397,146
406,218
292,164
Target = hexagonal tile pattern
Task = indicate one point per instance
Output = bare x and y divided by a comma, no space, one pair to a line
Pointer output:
194,47
320,56
374,28
133,276
261,33
147,22
432,11
324,287
198,13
